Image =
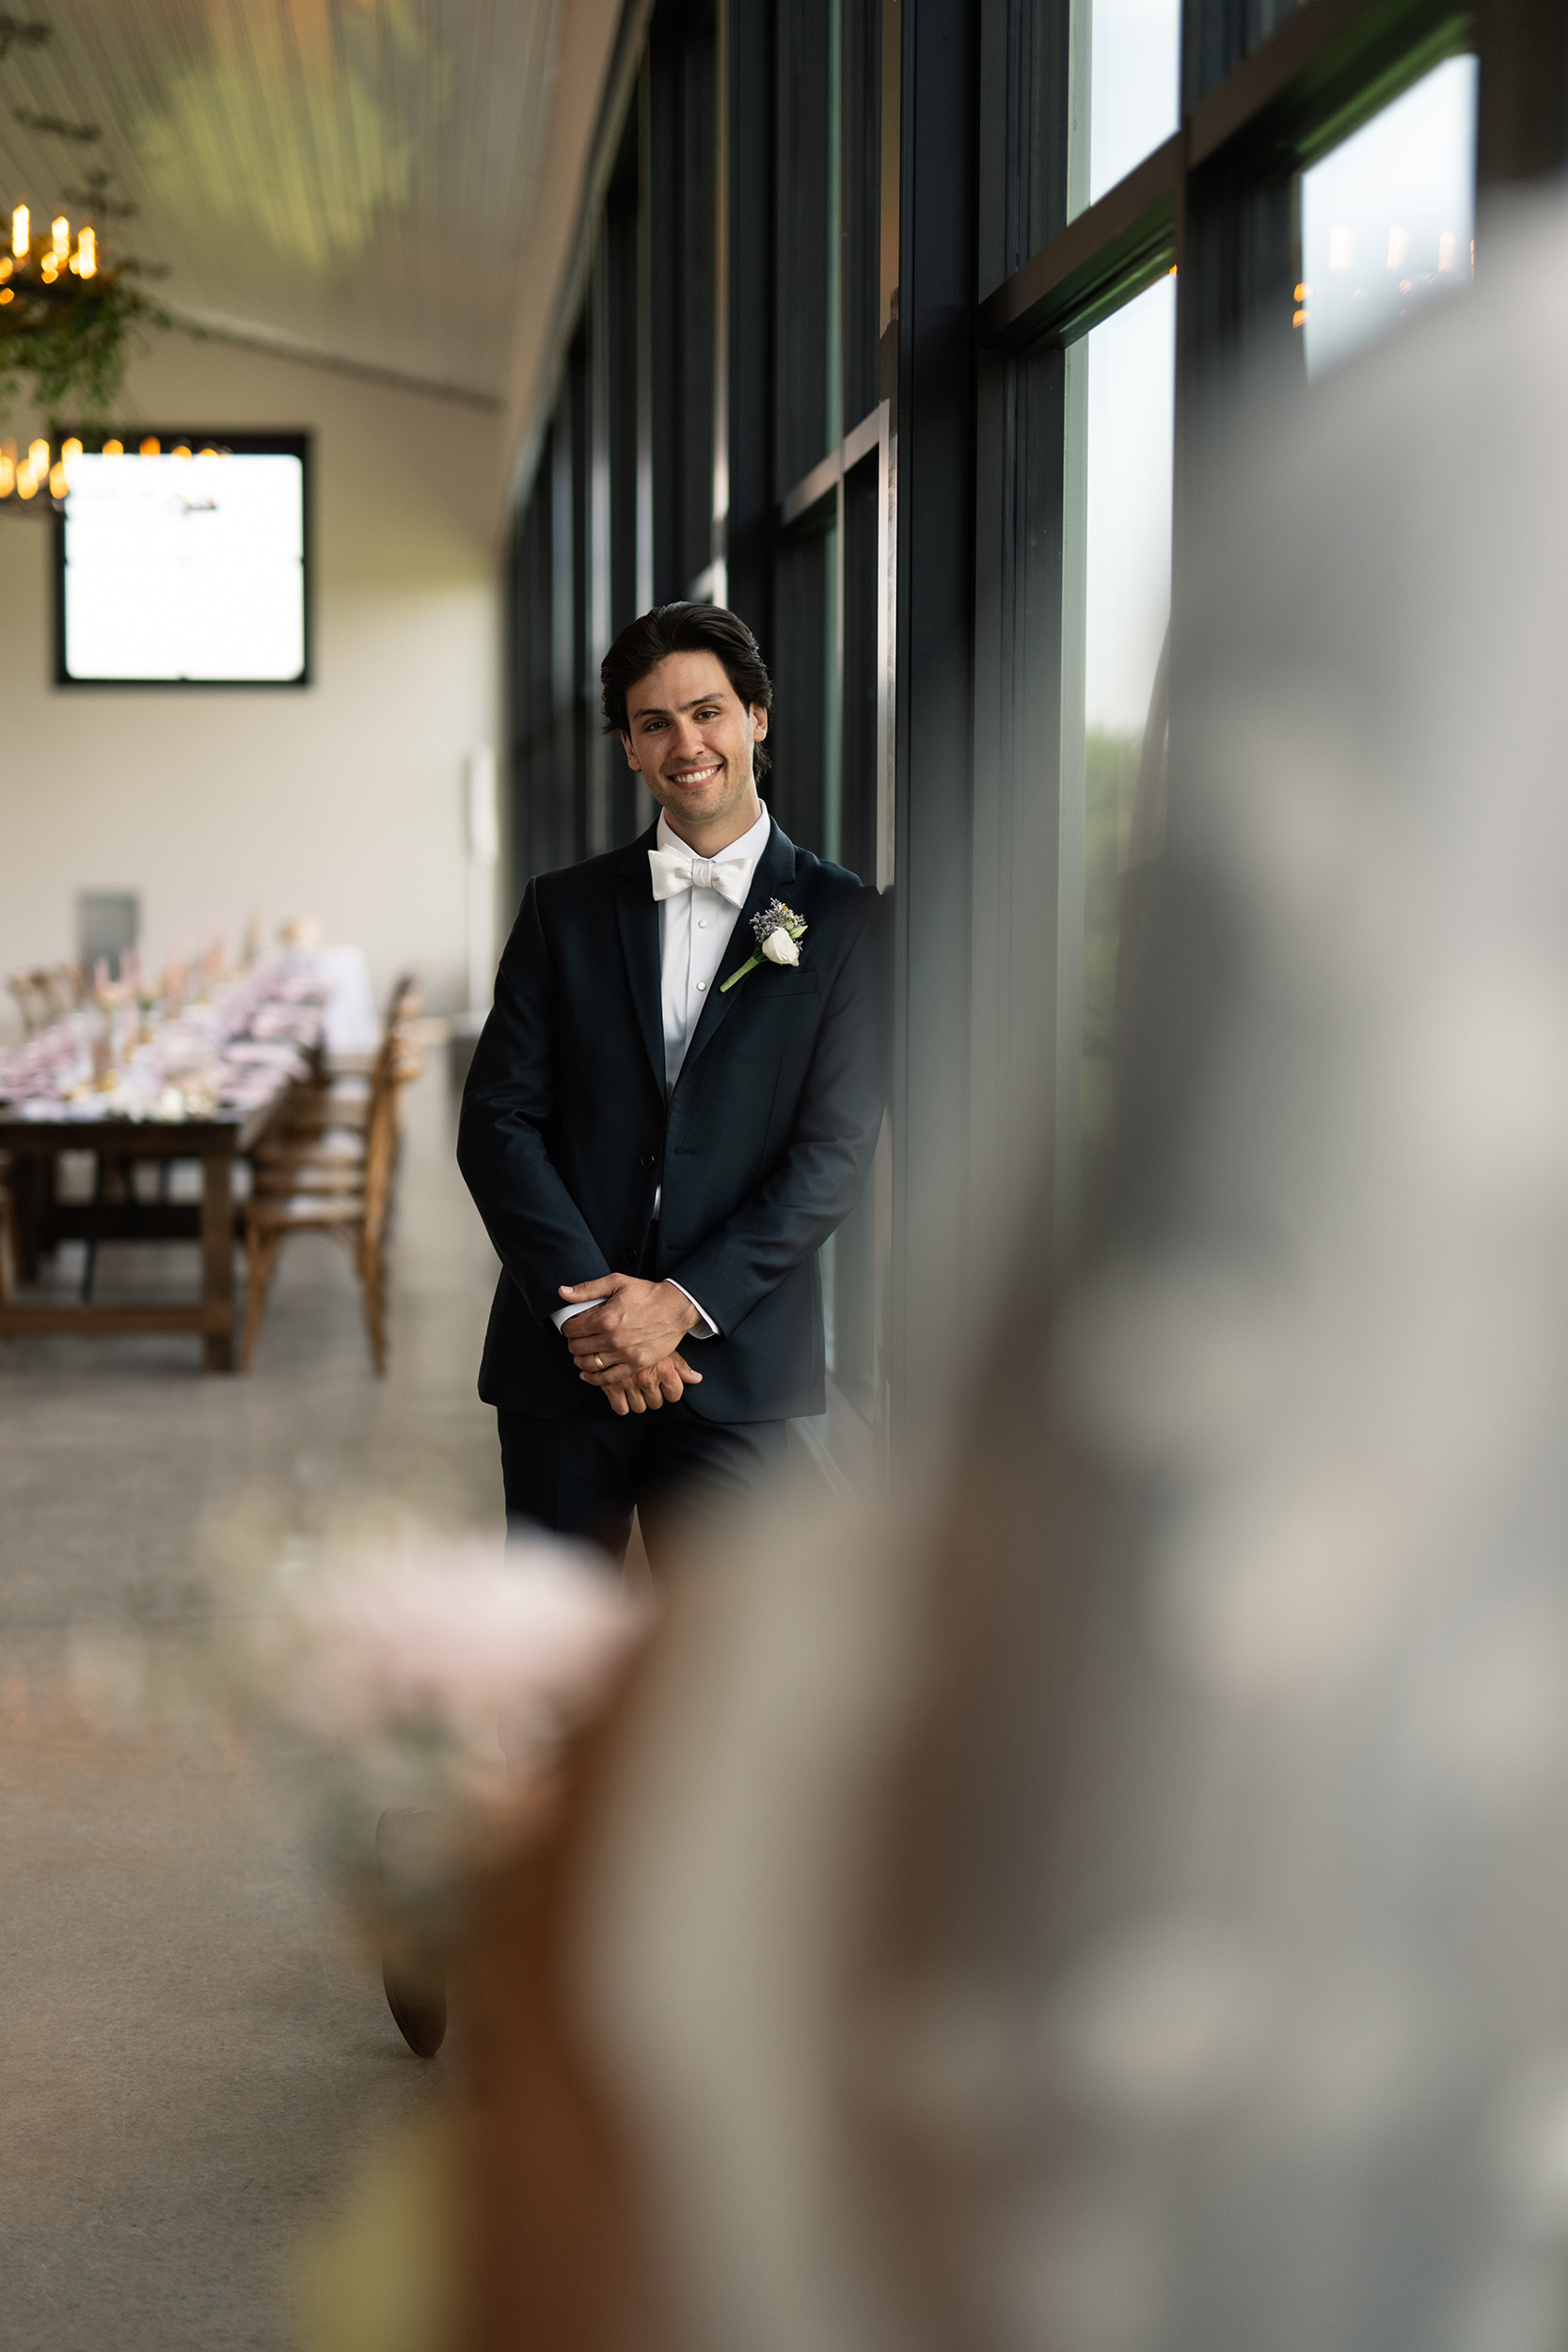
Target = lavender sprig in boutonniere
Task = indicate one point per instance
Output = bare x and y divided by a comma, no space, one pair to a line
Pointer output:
777,929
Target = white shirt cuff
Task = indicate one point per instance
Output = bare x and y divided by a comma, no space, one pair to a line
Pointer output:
707,1328
562,1316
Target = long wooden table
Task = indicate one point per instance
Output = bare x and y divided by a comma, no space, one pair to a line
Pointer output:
43,1219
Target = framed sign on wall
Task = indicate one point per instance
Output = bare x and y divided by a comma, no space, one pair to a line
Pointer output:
182,558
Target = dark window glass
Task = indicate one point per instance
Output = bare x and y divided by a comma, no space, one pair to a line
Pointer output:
860,696
682,200
622,370
807,421
860,267
1217,35
1025,58
802,606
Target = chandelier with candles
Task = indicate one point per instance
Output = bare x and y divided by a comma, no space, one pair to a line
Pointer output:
67,319
39,477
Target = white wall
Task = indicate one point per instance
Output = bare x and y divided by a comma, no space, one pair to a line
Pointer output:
343,799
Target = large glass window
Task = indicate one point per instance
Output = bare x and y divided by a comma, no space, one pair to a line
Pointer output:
1121,409
682,113
760,428
1126,89
1387,217
807,419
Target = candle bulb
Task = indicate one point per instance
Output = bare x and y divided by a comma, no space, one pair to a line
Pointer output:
86,253
60,230
21,233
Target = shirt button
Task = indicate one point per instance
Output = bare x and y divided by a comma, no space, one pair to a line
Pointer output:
701,985
702,922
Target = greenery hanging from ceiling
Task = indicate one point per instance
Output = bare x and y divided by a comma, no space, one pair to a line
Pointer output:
68,335
70,320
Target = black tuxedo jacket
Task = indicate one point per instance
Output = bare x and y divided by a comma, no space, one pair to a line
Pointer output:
761,1148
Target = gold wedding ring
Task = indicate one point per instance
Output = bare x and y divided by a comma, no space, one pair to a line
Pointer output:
599,1361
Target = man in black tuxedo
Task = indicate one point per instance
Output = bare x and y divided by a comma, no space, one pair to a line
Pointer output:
658,1154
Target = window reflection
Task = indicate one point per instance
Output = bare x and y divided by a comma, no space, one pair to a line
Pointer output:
1127,82
1387,218
1121,406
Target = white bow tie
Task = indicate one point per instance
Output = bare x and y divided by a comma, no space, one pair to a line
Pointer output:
674,870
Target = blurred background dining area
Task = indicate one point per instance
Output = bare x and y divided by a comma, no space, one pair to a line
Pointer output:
255,862
255,1078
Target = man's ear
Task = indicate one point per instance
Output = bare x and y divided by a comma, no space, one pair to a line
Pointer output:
631,756
759,722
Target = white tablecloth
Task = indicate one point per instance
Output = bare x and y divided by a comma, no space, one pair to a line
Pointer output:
353,1024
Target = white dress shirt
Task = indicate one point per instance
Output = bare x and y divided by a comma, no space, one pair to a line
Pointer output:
695,927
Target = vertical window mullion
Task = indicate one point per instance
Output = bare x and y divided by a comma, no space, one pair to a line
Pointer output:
1067,1054
563,611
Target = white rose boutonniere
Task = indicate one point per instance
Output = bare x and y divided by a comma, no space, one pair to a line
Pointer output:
778,930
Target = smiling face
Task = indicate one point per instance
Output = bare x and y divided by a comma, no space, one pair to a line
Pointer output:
691,735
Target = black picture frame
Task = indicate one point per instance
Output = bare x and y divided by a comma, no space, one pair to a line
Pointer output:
241,445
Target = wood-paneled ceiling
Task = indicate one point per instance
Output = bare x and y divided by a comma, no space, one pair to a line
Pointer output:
353,176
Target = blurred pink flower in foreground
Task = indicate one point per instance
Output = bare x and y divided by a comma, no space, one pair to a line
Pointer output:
450,1647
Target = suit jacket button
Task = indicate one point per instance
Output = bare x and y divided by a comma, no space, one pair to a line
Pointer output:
649,1159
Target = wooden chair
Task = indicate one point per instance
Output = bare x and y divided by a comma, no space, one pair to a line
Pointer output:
338,1180
33,1000
343,1101
64,987
47,995
9,1251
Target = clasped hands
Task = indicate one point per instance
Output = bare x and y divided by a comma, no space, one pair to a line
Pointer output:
626,1344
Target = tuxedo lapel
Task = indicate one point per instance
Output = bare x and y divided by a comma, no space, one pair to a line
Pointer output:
637,911
774,878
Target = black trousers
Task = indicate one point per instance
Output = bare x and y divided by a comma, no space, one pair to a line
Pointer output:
584,1473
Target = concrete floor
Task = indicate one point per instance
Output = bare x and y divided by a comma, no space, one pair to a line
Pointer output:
192,2045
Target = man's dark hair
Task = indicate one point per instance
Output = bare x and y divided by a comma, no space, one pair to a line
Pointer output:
685,628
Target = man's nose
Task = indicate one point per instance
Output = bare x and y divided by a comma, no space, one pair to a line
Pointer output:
689,741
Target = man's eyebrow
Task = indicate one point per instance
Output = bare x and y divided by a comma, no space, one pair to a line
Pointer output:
657,710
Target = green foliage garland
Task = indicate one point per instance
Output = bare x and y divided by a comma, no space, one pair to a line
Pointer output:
73,339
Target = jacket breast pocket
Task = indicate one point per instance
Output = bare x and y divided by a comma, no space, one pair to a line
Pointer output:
779,1024
763,1044
774,981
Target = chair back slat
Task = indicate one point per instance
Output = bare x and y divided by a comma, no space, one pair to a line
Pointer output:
47,995
337,1174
